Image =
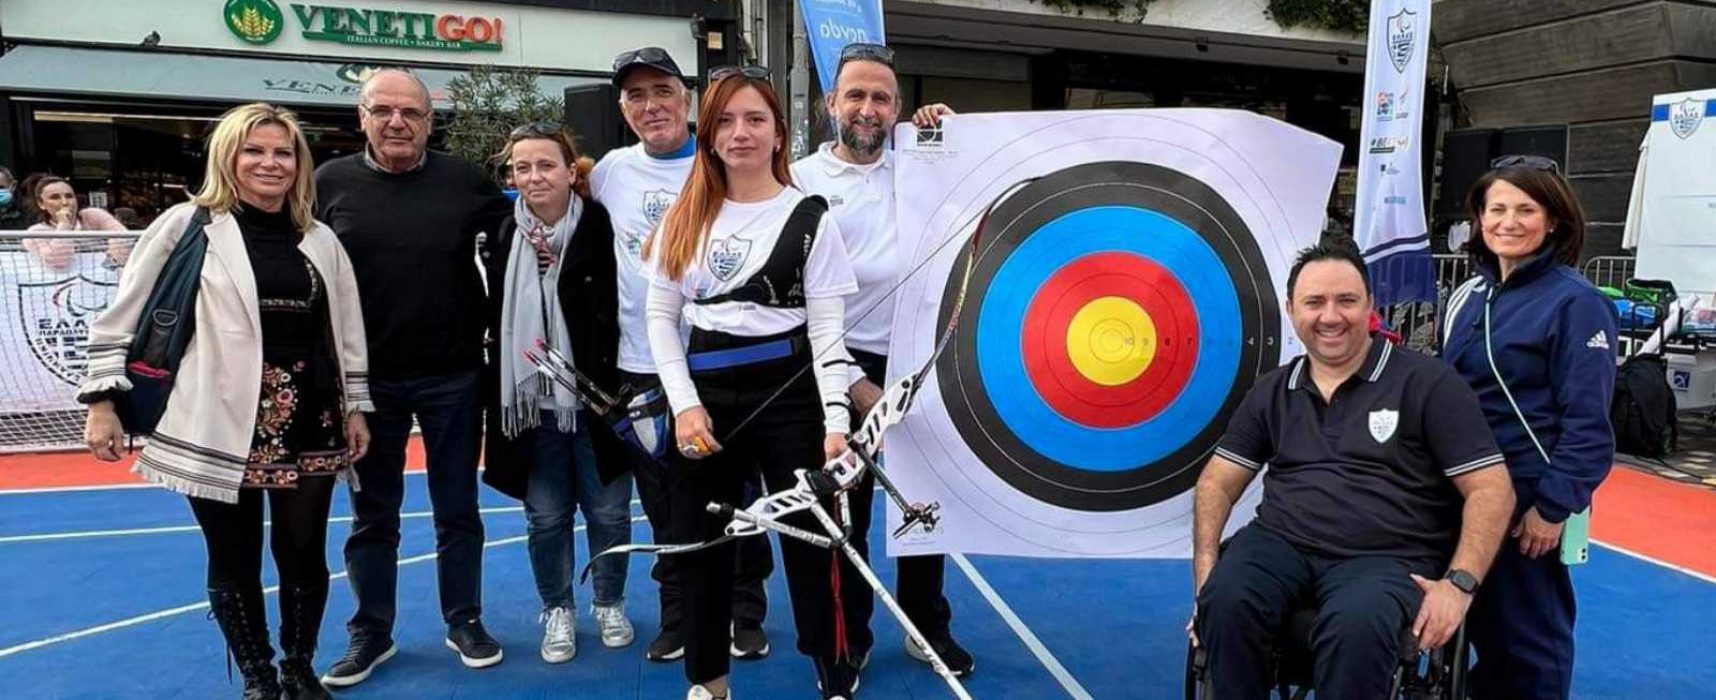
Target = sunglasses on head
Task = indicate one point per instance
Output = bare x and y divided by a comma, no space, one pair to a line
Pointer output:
1547,165
647,54
752,71
867,52
535,129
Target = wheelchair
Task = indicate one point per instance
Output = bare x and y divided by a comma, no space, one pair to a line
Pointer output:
1439,674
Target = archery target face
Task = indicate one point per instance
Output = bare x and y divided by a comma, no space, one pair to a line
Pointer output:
1126,293
1114,320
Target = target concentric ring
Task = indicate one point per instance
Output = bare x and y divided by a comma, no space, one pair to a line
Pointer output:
1146,235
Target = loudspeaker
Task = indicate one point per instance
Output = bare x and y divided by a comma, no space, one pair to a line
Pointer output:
1545,141
593,112
1466,156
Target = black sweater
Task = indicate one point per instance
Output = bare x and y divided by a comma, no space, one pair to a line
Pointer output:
412,242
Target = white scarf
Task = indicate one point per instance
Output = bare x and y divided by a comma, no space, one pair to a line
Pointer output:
531,300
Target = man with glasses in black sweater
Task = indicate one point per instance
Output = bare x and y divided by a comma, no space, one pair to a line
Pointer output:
409,219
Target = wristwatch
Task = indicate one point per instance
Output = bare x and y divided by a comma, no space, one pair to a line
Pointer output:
1463,580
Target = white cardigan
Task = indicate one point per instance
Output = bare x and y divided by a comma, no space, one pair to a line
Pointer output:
202,443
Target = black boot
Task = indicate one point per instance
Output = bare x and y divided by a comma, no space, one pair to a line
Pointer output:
244,621
300,620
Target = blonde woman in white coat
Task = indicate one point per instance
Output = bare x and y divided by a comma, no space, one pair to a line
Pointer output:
269,395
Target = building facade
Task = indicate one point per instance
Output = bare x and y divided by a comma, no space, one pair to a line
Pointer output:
118,94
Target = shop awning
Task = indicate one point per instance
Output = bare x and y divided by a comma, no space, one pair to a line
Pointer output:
67,73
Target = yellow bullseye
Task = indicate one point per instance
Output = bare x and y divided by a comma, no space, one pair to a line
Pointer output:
1111,341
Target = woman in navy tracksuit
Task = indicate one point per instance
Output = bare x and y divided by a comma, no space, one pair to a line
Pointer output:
1536,341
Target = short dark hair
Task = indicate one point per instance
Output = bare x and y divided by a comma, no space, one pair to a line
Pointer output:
1566,241
1337,250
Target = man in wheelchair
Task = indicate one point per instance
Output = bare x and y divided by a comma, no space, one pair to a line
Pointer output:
1379,460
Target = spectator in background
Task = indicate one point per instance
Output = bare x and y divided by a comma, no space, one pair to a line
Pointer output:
11,210
54,208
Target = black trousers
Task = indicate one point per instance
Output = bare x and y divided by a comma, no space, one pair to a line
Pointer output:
233,533
918,580
755,559
784,436
1363,605
1521,624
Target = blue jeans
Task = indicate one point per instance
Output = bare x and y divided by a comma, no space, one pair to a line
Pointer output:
563,478
448,409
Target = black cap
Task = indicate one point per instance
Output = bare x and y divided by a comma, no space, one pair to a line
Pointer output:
647,57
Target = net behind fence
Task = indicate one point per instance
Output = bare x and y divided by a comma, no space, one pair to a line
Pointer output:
52,287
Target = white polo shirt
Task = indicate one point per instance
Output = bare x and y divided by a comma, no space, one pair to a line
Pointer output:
861,200
637,189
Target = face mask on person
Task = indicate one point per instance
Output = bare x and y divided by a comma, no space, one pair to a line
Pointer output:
5,199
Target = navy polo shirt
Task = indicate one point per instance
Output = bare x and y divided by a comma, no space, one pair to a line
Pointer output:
1367,472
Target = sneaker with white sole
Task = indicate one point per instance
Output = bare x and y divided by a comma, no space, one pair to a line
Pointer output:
559,635
750,642
366,652
475,647
611,621
699,692
669,645
958,660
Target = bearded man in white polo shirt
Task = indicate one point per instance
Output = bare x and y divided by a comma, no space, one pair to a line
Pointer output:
855,172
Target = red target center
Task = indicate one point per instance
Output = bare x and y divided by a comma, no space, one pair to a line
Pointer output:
1049,318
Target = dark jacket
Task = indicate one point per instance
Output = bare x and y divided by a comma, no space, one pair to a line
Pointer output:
589,294
1553,337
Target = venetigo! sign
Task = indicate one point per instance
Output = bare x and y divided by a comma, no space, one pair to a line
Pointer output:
262,21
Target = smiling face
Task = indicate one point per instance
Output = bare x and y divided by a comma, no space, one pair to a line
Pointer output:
1515,226
1331,311
746,134
865,103
542,175
267,167
656,106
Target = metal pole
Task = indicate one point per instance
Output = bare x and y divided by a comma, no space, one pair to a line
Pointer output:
799,86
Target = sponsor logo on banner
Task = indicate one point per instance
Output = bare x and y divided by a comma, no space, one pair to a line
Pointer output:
1385,106
55,318
1684,117
726,257
254,21
1680,379
1389,144
1402,39
1382,424
262,21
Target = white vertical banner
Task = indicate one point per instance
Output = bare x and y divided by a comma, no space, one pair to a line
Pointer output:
1388,217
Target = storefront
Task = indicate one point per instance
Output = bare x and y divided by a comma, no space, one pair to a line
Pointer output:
118,94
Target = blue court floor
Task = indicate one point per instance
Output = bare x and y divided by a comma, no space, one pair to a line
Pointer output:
103,598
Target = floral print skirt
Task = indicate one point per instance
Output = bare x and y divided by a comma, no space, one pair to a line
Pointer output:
300,430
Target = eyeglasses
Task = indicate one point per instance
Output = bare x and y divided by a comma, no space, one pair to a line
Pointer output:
1547,165
535,129
755,72
647,54
867,52
384,113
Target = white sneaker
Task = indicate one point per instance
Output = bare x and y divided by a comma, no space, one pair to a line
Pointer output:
559,635
615,628
699,692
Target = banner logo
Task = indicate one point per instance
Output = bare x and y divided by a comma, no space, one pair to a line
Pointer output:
1685,117
1402,39
254,21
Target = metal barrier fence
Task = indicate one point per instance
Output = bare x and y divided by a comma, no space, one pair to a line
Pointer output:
52,286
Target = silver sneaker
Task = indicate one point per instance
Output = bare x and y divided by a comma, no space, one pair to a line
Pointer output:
559,636
611,621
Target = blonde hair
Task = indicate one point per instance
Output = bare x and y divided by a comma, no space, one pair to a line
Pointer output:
220,180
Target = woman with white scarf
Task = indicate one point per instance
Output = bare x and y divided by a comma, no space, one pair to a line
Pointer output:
552,281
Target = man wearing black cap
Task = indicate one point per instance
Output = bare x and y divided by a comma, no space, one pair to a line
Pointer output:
637,184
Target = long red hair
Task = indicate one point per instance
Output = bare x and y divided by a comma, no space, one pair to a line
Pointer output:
686,225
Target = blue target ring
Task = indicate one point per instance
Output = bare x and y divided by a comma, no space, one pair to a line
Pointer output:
1000,324
1172,222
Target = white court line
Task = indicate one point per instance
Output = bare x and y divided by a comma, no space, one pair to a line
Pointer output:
1074,690
1707,578
52,536
170,529
126,486
161,614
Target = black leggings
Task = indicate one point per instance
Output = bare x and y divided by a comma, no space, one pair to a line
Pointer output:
233,532
785,436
